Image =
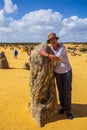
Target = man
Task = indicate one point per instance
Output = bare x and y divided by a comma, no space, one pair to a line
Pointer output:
15,54
63,73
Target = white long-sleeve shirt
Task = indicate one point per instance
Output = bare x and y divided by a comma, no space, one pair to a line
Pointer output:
63,65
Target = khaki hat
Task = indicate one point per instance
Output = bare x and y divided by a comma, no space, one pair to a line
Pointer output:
52,35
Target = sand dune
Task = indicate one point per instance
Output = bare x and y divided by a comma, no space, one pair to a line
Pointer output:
14,96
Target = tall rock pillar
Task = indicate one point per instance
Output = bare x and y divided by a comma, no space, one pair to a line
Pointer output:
43,100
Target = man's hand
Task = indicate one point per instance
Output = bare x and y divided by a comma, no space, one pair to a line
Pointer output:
43,53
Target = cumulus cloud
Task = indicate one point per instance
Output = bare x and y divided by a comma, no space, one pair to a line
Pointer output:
74,29
1,15
35,26
9,6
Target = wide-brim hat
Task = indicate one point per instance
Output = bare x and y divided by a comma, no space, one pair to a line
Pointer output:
52,35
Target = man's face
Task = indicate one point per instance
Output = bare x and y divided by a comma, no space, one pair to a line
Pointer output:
53,40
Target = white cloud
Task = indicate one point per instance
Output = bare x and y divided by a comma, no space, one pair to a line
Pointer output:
1,15
34,27
9,6
74,29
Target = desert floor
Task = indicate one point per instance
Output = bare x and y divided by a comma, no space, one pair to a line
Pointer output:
14,96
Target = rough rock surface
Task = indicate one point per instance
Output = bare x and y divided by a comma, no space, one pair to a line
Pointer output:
43,100
3,61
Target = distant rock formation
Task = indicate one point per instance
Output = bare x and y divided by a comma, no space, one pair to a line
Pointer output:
3,61
26,66
43,100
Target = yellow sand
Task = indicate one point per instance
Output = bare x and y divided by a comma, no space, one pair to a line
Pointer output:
14,96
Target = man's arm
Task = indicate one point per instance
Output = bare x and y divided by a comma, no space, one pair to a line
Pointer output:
50,56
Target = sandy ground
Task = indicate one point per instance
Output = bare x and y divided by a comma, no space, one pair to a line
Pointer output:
14,96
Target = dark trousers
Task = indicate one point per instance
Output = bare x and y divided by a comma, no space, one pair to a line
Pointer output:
64,82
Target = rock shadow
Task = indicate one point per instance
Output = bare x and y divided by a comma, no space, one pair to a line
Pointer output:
78,111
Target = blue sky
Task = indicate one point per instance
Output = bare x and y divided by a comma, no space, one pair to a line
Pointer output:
32,20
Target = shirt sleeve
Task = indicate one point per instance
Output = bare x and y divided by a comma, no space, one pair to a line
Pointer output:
61,52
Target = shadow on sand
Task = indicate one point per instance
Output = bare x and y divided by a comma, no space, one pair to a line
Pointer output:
78,111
